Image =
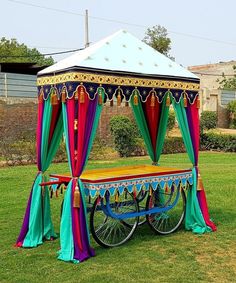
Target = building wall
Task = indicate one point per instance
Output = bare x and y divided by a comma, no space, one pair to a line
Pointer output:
210,73
19,115
108,112
212,98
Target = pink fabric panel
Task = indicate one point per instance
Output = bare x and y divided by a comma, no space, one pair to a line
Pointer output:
203,205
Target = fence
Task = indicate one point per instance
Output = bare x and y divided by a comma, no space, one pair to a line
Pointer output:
17,85
227,96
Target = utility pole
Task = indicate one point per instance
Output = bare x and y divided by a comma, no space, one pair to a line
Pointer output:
86,30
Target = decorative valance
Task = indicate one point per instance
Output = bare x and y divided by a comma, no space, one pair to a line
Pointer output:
65,86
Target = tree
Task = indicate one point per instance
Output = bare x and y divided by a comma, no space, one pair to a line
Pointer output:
10,49
228,83
157,38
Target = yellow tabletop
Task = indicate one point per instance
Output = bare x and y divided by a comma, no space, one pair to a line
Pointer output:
96,175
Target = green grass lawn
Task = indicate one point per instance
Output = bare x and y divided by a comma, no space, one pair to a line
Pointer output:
180,257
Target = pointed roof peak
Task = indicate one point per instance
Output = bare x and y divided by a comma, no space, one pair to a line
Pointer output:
122,52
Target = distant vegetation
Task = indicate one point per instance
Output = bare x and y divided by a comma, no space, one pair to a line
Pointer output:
157,38
11,51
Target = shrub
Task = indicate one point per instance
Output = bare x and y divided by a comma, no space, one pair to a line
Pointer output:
173,145
212,141
124,133
140,148
208,120
231,107
18,153
24,152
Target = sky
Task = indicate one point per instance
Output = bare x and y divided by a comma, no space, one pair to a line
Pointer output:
201,31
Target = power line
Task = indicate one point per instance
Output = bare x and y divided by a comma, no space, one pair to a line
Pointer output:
120,22
46,8
51,47
39,55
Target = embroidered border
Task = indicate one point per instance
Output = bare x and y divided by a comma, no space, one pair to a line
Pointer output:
116,80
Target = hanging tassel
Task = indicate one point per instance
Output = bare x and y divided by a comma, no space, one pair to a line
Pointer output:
76,153
76,197
118,98
54,98
99,200
134,192
82,96
150,191
198,102
153,98
76,96
199,183
185,100
168,100
166,189
117,197
63,96
136,98
62,188
75,124
40,98
100,100
51,192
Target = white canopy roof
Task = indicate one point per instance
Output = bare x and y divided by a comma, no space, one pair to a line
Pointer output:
122,52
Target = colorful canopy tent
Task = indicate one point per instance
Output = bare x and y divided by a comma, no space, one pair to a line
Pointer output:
71,96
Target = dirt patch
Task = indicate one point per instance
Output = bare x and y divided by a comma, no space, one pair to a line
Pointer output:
218,262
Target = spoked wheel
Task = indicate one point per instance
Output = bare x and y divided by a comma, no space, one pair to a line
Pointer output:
108,231
169,221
